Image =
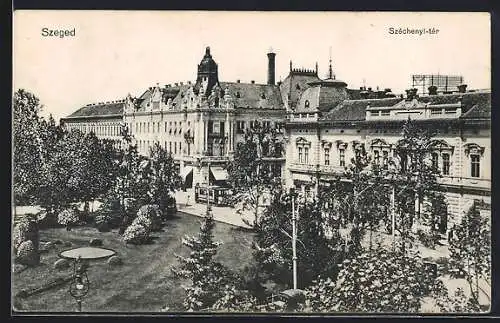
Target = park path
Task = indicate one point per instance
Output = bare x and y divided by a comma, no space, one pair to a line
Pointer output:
186,204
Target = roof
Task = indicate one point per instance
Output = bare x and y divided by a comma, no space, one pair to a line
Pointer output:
102,109
355,110
251,95
475,105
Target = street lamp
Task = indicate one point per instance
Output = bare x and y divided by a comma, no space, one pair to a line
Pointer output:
80,284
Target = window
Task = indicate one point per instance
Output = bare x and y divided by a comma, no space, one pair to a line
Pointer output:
240,127
376,157
404,162
300,155
180,146
216,127
474,165
446,164
175,148
342,157
306,104
165,126
385,159
148,127
170,146
327,156
306,155
435,161
436,111
385,113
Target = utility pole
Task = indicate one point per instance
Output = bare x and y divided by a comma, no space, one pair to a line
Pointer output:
393,217
294,239
208,188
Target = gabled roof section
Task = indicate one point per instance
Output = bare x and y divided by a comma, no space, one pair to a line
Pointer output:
99,109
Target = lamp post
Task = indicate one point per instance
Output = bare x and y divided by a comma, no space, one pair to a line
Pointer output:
80,284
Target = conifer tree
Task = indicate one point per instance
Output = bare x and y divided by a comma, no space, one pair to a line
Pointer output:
207,277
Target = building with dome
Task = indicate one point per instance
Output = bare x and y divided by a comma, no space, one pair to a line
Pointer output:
322,120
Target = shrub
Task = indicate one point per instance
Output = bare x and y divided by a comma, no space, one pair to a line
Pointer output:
114,261
143,221
68,218
61,264
135,234
382,281
27,254
428,238
152,212
26,229
108,215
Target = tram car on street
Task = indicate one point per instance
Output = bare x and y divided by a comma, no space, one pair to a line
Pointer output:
217,195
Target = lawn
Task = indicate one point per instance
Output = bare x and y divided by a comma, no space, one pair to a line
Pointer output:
144,283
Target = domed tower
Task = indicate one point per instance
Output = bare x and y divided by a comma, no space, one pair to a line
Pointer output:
207,74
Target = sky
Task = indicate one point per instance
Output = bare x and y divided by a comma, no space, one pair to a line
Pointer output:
114,53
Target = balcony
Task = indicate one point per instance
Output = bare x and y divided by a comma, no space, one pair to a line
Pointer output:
466,182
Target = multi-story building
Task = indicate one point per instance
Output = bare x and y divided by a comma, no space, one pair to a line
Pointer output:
323,121
103,119
325,129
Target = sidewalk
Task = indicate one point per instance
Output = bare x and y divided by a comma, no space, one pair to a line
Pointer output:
221,214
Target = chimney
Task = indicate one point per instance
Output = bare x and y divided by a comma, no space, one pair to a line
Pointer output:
271,68
238,81
432,90
252,81
462,88
408,95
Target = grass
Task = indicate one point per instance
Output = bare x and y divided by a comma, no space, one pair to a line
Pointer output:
144,283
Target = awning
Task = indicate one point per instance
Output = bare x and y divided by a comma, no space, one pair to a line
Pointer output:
185,171
219,173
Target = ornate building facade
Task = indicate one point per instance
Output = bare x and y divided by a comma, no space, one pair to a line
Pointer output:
323,121
324,131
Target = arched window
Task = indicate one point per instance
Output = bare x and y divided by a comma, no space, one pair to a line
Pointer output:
306,104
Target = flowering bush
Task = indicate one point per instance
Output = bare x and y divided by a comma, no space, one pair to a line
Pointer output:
382,281
26,229
152,212
135,234
27,254
68,218
320,296
233,300
143,221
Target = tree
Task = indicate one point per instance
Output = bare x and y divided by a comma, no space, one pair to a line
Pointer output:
131,185
207,276
380,281
415,179
28,146
317,255
251,171
357,201
470,249
163,177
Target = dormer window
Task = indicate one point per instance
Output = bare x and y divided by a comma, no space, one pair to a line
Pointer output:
238,94
263,95
297,87
306,104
